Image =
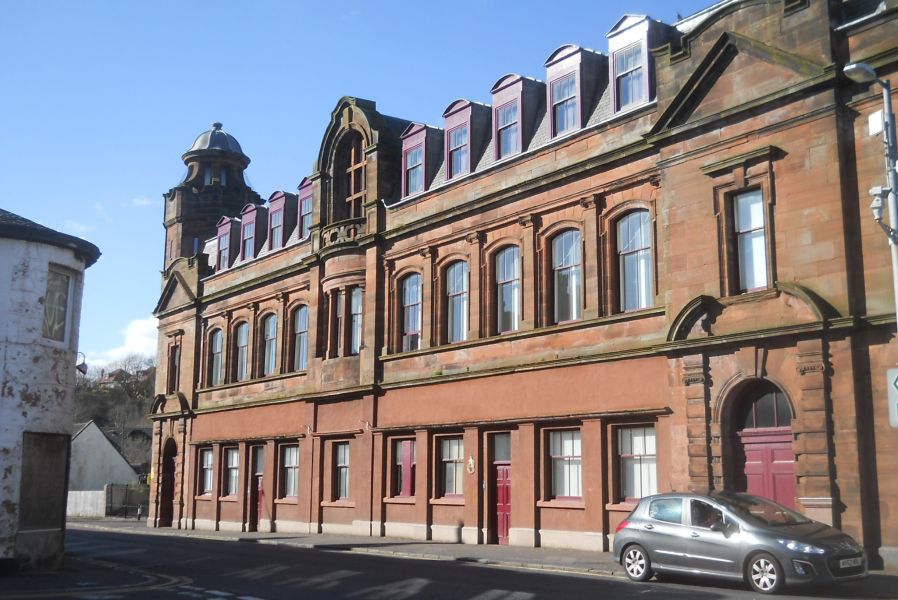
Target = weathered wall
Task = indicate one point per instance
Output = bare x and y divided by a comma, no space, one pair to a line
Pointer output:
36,381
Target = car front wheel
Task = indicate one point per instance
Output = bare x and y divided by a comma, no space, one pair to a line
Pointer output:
636,563
764,574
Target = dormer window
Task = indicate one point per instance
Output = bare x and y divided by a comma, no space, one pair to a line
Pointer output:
507,130
224,251
305,217
631,67
249,236
421,146
564,104
228,242
414,170
468,131
459,161
629,80
305,208
276,233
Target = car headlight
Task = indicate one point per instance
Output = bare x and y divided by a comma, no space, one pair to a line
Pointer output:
801,547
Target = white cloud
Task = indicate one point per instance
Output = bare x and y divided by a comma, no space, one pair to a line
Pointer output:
141,201
101,212
76,228
139,338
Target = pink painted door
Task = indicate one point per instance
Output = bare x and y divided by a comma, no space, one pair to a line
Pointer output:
769,465
502,495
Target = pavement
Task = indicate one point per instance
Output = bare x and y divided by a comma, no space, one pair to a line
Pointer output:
542,559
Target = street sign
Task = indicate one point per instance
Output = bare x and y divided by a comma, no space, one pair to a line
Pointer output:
892,384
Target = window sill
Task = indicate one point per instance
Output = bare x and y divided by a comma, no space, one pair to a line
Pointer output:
621,506
399,500
448,501
571,504
228,499
287,500
204,497
338,503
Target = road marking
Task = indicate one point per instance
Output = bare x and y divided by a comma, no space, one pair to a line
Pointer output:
152,581
407,588
324,581
503,595
260,572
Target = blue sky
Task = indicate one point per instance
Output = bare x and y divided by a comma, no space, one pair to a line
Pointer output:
99,99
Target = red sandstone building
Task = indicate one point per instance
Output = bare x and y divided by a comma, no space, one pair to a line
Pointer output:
648,269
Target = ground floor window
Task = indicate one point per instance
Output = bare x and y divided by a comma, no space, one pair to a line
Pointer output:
232,469
205,471
636,453
289,471
564,451
404,468
452,458
341,470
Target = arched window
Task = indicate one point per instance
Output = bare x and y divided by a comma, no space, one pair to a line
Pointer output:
216,341
634,249
301,338
269,345
241,354
457,302
349,178
411,312
763,405
508,289
567,280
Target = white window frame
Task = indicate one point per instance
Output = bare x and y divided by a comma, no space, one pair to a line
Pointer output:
565,448
636,447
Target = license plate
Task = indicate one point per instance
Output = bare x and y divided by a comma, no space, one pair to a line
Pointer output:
851,562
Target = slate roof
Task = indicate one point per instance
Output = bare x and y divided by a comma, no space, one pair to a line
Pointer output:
15,227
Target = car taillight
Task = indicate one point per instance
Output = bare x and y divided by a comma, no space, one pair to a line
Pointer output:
623,525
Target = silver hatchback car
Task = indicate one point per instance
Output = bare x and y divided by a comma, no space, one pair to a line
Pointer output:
734,536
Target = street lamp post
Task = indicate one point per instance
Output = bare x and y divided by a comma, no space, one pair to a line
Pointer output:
863,73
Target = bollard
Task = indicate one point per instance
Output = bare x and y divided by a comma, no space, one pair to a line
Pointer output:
139,510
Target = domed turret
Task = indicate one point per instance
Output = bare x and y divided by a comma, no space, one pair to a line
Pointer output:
216,141
213,187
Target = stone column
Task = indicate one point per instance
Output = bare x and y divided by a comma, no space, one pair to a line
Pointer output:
428,298
524,485
812,430
474,470
700,447
592,270
529,273
475,287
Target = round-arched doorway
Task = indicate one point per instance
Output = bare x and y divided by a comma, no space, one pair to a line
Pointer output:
167,484
763,458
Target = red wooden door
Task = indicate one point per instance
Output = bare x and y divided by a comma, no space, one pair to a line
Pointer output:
502,502
769,464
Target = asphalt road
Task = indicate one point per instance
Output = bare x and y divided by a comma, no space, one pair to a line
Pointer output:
107,566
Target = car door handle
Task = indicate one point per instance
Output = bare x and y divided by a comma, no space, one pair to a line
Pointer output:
649,526
695,535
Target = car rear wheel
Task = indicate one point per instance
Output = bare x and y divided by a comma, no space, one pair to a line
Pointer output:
636,563
764,574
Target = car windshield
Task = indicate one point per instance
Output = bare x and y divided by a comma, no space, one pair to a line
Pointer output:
761,511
